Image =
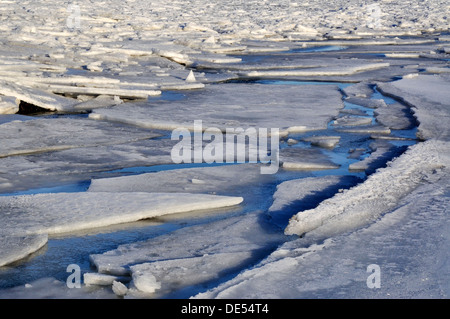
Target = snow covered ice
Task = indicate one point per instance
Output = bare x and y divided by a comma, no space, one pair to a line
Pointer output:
89,97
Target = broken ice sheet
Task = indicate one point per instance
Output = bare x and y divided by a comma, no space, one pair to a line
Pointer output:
194,241
362,89
371,129
162,277
337,69
308,107
71,212
37,97
233,180
78,165
40,135
395,116
366,102
411,241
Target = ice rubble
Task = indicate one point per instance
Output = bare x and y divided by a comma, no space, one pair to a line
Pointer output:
121,58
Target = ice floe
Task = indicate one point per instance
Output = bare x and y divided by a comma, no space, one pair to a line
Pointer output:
70,212
14,248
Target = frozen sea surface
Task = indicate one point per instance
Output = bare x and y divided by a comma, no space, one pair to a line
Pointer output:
88,100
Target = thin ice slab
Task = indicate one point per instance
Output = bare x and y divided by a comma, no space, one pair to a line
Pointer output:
14,248
226,179
71,212
37,97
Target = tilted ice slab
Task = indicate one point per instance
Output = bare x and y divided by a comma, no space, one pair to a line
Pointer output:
71,212
368,201
8,105
429,97
37,97
14,248
41,135
294,108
